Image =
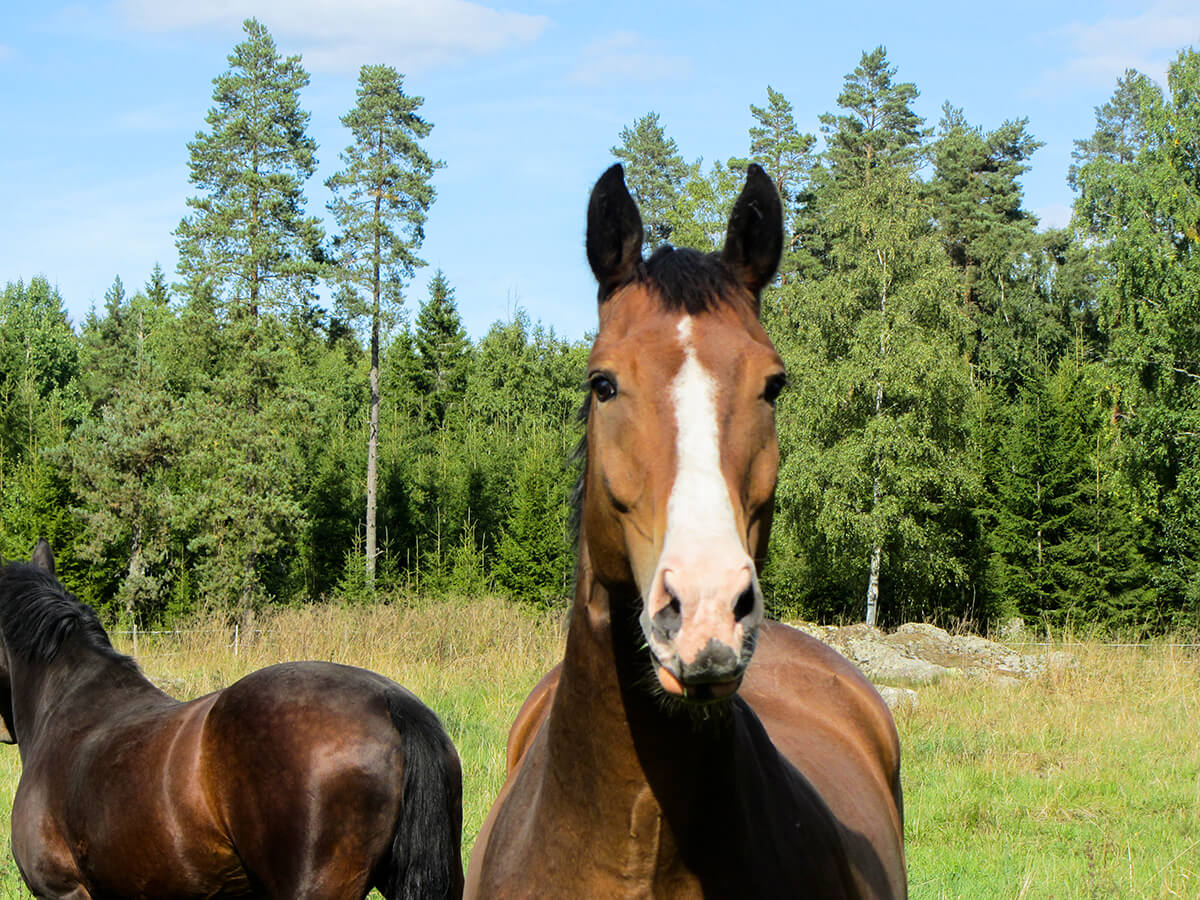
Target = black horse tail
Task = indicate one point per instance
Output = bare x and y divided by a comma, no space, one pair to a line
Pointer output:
426,861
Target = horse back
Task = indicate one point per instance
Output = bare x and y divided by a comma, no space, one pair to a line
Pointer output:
293,746
340,764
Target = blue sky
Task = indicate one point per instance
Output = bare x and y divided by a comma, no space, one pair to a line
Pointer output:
99,99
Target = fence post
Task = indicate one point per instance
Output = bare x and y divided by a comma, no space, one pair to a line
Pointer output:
135,639
235,639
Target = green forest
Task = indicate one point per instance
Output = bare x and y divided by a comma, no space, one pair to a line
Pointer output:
982,420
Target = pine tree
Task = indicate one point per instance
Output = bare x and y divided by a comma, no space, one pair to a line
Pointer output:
878,127
786,154
1120,126
248,242
655,173
120,464
381,198
976,198
121,456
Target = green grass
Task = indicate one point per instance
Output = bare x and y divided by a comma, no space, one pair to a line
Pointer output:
1081,784
1084,783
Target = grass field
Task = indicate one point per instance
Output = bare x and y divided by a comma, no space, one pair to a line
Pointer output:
1084,783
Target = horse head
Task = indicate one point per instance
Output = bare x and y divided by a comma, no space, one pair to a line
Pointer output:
682,454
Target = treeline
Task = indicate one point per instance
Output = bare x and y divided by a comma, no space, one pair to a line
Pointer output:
983,419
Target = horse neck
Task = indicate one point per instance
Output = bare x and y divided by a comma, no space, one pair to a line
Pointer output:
611,738
79,685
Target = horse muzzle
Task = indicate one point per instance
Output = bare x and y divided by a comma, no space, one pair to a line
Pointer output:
701,633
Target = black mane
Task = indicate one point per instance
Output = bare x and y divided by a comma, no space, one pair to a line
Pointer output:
37,615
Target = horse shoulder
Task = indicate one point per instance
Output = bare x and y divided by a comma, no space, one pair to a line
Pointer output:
827,720
796,683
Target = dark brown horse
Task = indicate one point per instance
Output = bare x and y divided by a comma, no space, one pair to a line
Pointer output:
302,780
657,760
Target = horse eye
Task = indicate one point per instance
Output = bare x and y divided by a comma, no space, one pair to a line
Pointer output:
603,387
775,384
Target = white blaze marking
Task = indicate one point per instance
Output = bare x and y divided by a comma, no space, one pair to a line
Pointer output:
699,513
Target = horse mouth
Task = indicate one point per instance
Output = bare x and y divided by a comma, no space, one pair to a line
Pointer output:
696,692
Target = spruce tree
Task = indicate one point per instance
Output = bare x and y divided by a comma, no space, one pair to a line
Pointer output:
381,198
248,242
39,406
442,345
534,553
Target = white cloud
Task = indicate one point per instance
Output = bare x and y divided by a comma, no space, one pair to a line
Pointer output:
341,35
1100,52
625,56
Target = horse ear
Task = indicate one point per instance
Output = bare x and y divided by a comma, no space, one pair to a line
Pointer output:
43,558
614,232
754,241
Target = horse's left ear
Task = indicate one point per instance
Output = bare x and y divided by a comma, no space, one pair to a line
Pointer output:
43,557
754,241
614,232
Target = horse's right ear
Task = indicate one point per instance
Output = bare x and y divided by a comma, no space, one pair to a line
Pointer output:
43,558
614,232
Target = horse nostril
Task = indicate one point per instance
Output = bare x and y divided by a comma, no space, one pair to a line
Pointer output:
668,618
744,605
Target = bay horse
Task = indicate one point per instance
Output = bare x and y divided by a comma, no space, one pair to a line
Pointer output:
657,759
301,780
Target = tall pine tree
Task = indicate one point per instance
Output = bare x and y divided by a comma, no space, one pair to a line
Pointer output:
381,198
248,242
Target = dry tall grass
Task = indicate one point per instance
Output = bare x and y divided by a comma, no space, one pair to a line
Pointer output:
1084,783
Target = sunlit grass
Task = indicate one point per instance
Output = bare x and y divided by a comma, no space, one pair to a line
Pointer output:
1084,783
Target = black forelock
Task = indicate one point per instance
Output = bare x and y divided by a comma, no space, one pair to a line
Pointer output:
689,280
684,279
37,615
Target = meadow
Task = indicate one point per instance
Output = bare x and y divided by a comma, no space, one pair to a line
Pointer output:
1082,783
